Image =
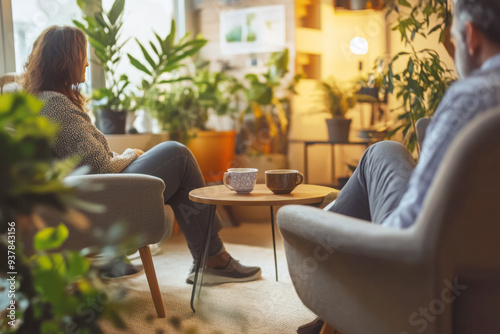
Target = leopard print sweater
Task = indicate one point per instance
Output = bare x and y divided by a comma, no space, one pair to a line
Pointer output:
78,136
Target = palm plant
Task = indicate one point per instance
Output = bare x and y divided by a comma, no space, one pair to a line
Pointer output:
104,34
167,56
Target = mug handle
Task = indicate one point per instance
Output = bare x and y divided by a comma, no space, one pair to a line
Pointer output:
300,178
226,175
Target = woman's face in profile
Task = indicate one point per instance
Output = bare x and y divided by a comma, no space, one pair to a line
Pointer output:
84,67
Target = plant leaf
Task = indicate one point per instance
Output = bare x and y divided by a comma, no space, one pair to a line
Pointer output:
137,64
50,238
146,54
116,11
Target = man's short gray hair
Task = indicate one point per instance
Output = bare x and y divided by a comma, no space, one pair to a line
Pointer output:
483,14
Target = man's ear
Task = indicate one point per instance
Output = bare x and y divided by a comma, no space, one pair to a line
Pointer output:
472,38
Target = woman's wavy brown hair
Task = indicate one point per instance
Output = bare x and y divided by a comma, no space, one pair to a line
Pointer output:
56,63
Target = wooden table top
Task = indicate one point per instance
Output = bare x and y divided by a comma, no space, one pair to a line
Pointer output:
260,196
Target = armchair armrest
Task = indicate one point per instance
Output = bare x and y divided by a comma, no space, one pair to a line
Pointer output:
348,235
346,269
133,200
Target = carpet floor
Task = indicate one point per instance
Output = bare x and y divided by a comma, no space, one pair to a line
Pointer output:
264,306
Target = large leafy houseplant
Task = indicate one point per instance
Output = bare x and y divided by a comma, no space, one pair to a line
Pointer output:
162,63
104,34
184,109
425,79
270,110
218,94
50,291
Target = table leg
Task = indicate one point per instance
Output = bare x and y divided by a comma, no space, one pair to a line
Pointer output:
202,258
274,244
305,163
332,149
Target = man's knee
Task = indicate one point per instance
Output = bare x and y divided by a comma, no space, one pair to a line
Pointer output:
389,156
387,149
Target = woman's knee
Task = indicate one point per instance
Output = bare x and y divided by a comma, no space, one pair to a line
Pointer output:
174,148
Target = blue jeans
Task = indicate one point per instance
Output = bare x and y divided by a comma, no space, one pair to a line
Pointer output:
377,185
176,166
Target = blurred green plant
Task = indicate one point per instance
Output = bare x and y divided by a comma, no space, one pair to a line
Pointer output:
54,291
104,31
29,174
268,97
425,79
218,92
176,110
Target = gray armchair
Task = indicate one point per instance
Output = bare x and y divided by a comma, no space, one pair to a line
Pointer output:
442,275
135,201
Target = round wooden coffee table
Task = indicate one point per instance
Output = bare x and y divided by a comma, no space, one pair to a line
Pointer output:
260,196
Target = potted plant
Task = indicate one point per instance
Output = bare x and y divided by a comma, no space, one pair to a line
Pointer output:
338,102
185,108
213,139
104,31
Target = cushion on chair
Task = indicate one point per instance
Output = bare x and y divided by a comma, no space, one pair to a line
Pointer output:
133,200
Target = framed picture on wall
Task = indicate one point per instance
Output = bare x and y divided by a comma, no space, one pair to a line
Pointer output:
253,30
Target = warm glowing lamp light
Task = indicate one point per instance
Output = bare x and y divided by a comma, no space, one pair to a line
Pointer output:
359,46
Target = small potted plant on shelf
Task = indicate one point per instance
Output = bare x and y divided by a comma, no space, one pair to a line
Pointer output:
338,102
103,29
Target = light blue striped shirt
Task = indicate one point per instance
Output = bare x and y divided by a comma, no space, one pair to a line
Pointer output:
463,101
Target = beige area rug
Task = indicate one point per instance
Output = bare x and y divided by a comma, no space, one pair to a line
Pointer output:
264,306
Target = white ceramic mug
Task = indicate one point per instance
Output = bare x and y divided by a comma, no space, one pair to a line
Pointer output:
241,180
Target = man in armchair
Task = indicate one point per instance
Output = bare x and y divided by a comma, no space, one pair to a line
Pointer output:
388,188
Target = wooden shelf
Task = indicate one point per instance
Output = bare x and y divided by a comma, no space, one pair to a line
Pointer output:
308,14
350,5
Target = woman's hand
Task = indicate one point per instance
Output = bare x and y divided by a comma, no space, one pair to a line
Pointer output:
138,152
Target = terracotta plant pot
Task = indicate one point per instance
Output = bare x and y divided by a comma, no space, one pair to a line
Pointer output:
214,152
111,122
338,129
